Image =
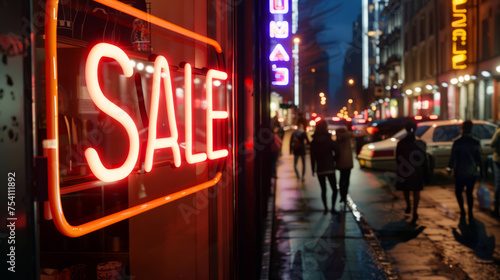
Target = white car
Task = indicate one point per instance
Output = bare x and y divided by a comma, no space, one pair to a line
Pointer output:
438,135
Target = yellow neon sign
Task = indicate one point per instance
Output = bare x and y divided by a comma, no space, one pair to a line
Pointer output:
459,35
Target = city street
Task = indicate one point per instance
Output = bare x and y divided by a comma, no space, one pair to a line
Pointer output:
437,246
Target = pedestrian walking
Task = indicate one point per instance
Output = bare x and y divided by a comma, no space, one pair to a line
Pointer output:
323,157
298,143
465,161
344,162
412,172
495,144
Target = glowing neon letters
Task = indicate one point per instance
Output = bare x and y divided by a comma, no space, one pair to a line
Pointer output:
459,35
161,77
281,76
278,29
279,54
278,6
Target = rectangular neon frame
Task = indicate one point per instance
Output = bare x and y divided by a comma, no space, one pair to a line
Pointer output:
51,144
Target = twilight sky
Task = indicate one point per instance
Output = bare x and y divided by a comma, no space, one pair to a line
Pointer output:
337,27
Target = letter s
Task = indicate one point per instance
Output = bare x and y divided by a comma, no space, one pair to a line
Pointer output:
102,173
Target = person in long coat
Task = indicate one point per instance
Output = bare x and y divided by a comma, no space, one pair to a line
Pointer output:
323,156
344,161
412,168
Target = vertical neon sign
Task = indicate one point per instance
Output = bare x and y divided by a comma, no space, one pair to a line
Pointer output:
459,35
279,32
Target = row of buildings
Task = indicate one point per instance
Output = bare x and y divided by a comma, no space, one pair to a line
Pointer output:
427,57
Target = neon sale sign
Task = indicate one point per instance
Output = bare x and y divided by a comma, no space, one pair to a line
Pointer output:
161,77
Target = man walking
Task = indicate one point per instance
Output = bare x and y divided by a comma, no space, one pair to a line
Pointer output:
495,144
465,160
298,149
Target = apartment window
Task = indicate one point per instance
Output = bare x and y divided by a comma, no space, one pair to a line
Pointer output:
423,63
422,30
443,50
497,34
431,60
485,46
431,23
414,34
442,16
407,37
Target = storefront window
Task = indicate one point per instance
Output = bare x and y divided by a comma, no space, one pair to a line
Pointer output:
488,100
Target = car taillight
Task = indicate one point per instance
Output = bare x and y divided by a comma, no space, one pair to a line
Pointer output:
352,127
382,153
372,129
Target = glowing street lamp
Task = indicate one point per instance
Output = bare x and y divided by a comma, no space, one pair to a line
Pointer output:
351,82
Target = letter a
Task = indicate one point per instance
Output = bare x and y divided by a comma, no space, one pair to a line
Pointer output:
160,65
108,107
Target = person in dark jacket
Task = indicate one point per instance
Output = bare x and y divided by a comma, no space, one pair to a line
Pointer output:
465,160
323,156
495,144
298,149
412,172
344,161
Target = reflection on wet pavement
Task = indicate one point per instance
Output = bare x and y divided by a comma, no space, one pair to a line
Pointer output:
311,245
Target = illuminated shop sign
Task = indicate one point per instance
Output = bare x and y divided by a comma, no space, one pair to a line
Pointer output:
161,78
278,6
279,31
279,54
459,35
280,76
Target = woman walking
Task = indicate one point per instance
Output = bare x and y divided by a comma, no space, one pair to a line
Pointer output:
323,156
344,162
412,170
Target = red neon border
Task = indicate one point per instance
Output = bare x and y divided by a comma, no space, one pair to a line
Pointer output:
51,144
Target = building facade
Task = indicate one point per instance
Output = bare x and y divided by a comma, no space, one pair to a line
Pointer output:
449,58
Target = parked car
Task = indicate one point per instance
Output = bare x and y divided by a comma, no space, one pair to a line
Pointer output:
358,125
334,123
438,135
378,130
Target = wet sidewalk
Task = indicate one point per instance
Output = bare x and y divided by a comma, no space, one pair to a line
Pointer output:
310,245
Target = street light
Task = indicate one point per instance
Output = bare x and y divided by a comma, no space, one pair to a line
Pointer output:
321,94
350,101
351,82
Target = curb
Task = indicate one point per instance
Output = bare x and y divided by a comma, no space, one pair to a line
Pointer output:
379,254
